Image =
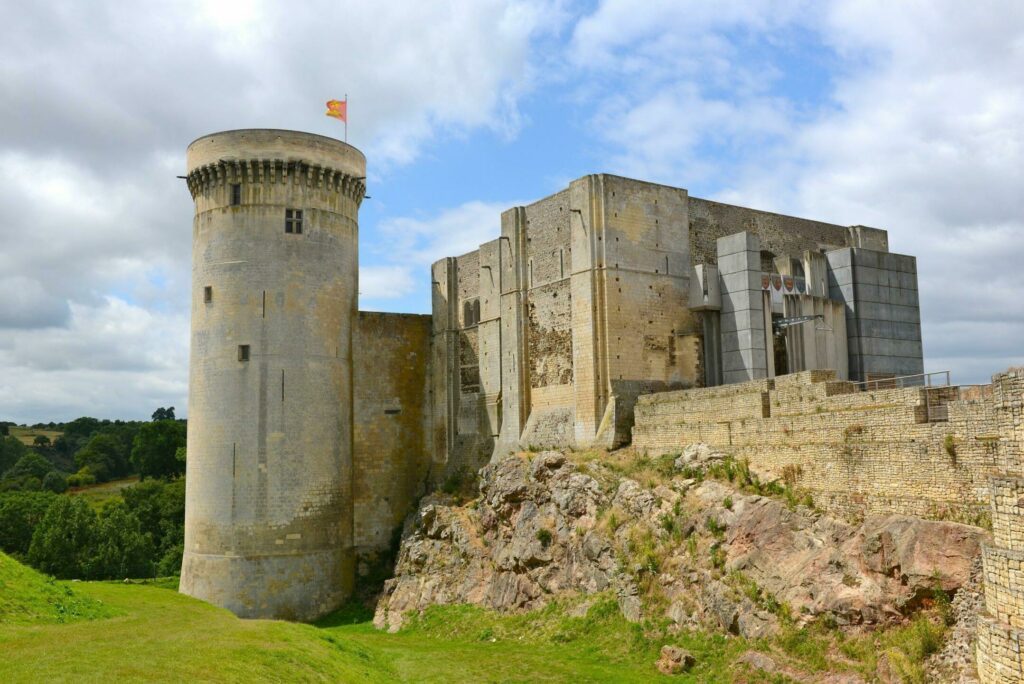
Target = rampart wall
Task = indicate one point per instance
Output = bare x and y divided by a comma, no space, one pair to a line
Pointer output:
917,451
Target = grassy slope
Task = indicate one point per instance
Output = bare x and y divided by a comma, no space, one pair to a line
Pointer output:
164,636
148,633
26,597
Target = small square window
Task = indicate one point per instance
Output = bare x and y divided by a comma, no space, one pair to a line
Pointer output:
243,352
208,294
236,194
293,221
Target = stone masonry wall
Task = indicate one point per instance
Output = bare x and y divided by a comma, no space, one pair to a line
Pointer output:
856,451
1001,626
778,234
1000,636
391,419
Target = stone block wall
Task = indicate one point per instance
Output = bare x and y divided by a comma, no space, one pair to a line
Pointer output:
857,451
1000,634
391,423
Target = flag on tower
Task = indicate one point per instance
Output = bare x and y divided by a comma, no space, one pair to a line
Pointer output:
338,109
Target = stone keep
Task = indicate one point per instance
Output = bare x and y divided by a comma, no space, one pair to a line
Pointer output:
269,501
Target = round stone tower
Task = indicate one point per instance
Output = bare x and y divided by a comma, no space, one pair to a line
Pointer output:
268,512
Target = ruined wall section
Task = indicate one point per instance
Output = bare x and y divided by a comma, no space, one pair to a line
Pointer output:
652,338
858,452
778,233
391,424
548,318
472,440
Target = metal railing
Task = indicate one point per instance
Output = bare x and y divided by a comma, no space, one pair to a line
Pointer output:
934,379
936,405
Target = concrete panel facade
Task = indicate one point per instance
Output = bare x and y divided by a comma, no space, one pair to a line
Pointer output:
883,317
744,356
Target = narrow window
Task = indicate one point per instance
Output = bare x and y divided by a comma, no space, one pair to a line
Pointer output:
293,221
476,311
561,263
208,294
243,352
236,194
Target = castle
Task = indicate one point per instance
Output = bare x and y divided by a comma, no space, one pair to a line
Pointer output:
592,320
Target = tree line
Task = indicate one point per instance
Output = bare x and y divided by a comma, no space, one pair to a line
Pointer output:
91,450
138,533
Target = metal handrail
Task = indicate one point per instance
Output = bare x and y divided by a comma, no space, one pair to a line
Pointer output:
901,381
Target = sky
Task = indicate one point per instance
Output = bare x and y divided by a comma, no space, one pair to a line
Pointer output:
907,116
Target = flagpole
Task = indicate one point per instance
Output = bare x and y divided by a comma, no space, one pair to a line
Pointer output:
346,117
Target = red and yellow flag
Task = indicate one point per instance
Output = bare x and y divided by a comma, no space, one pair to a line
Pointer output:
338,109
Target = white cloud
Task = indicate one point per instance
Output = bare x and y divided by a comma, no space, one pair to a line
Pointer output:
111,360
414,243
386,282
97,104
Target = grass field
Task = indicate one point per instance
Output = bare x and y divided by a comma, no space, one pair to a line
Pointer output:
98,494
109,631
148,632
28,435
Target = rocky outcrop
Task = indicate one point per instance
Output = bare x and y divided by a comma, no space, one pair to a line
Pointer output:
719,558
816,564
531,534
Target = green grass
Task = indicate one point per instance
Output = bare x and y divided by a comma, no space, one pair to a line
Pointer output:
160,635
26,597
148,632
98,495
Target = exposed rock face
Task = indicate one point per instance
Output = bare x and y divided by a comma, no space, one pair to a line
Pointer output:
534,532
531,535
867,574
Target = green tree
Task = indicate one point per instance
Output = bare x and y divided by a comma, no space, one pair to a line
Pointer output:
160,508
121,549
55,482
63,540
11,449
41,441
20,513
103,455
164,413
29,465
155,447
